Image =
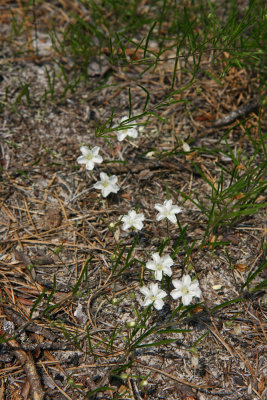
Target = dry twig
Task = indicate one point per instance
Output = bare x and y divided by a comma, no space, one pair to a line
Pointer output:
28,365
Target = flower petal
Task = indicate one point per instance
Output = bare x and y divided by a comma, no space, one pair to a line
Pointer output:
158,304
90,165
147,301
156,257
167,271
154,288
186,280
177,284
161,294
176,293
81,160
85,150
172,218
151,265
95,150
167,261
158,275
186,299
144,290
158,207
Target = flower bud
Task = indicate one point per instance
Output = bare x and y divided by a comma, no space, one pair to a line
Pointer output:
186,147
144,383
130,324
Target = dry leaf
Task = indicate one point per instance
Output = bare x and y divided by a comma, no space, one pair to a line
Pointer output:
262,384
240,267
52,219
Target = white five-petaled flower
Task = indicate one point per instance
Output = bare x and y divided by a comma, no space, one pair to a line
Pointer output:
89,157
160,265
186,289
108,184
153,295
167,210
133,220
131,131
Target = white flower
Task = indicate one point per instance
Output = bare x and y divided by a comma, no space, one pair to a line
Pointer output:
167,210
186,147
133,220
132,132
107,184
186,289
153,295
89,157
160,265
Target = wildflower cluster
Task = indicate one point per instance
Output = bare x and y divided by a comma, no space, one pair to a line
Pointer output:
160,265
184,288
90,157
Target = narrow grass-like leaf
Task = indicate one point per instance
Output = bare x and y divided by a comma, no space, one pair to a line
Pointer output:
188,310
194,345
51,82
89,340
3,338
148,37
38,301
173,330
262,286
122,47
247,210
164,243
201,207
83,274
93,392
263,139
156,344
182,231
140,324
23,93
52,291
128,260
253,275
226,304
130,102
214,244
144,335
147,96
189,251
121,368
118,259
114,334
69,336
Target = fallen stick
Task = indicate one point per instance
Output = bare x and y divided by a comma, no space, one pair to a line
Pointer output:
28,365
239,113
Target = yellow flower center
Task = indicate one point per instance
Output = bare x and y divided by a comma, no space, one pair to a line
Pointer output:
185,290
